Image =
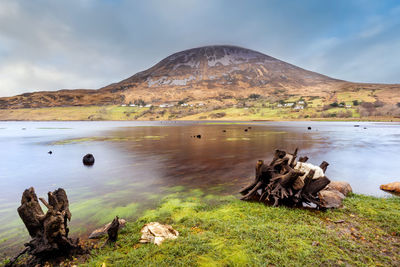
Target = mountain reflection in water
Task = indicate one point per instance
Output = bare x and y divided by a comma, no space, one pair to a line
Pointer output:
137,163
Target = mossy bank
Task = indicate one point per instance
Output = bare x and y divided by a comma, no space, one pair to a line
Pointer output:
224,231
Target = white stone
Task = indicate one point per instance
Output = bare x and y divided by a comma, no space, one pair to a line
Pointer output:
156,233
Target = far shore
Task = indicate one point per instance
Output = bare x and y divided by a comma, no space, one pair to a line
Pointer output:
118,113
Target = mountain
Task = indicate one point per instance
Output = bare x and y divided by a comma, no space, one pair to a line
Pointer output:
204,73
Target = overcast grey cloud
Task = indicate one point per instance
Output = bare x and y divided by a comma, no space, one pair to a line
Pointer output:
50,45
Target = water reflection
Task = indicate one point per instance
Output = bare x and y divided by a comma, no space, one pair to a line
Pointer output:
136,163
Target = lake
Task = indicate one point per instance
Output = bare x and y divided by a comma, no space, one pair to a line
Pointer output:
137,163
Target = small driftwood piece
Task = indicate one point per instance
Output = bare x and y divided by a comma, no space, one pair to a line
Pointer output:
281,182
49,231
99,232
113,231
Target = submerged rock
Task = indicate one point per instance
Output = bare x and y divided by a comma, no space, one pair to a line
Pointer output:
391,187
341,186
156,233
102,231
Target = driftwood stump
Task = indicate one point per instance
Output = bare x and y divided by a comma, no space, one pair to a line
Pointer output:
283,181
49,231
113,231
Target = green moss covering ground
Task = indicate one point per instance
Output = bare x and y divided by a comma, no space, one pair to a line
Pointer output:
223,231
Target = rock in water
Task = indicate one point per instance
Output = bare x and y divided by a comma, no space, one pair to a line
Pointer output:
330,198
156,233
341,186
391,187
88,160
99,232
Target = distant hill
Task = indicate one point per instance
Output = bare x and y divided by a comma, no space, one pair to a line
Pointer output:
207,73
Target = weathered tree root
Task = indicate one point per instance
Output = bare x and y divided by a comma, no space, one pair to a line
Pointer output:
282,183
49,231
113,231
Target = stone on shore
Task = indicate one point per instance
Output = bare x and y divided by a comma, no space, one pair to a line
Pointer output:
391,187
341,186
331,199
156,233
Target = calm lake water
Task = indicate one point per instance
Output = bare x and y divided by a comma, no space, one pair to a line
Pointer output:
137,163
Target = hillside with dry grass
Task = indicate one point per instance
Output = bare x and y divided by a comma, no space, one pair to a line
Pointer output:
219,78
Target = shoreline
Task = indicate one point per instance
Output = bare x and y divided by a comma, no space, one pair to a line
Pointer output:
118,113
221,120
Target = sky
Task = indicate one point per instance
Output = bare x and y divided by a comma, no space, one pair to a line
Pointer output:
52,45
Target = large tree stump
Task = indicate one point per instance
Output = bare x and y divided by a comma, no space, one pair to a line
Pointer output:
49,231
285,181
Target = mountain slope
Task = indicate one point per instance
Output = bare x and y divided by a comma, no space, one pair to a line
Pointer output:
219,71
206,73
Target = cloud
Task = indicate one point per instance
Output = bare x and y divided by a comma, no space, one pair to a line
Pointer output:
23,75
50,45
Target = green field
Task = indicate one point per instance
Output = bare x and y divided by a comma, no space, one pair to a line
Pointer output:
339,107
223,231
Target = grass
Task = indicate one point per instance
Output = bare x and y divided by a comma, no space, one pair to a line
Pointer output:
111,112
362,96
260,111
223,231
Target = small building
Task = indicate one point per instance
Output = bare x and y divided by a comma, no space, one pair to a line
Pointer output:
123,105
279,105
132,105
289,104
165,105
348,106
298,107
148,106
300,102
